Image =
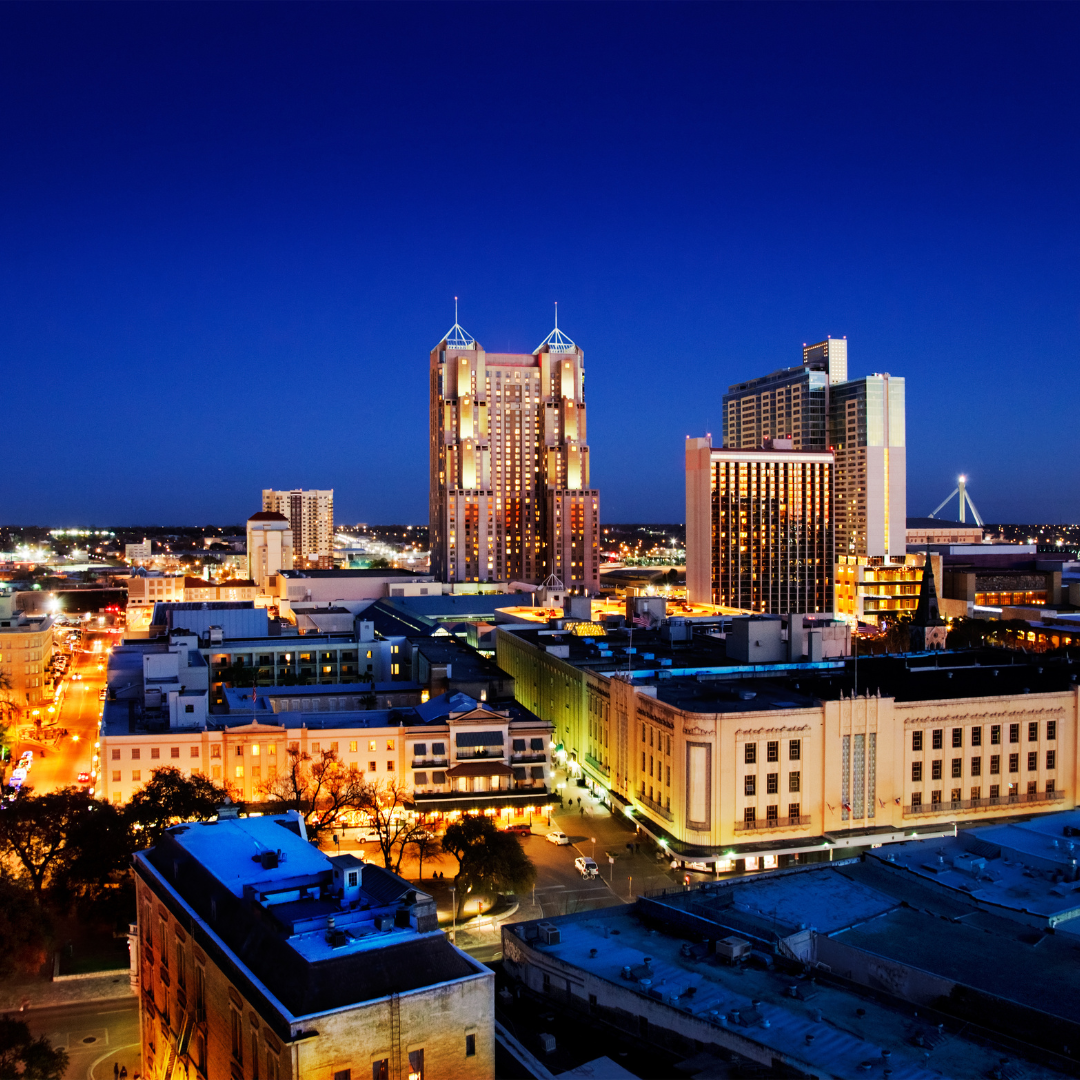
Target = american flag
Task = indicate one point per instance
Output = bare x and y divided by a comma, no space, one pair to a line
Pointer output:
643,621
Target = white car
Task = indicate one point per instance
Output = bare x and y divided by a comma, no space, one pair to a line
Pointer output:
559,838
586,867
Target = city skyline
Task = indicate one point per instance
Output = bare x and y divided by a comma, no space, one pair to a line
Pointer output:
282,231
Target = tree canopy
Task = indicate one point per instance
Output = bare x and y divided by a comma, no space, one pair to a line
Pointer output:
168,797
21,1055
489,861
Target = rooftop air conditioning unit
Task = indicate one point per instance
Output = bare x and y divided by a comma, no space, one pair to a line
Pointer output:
550,934
732,949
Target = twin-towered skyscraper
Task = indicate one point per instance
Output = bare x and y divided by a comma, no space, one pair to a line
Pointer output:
509,493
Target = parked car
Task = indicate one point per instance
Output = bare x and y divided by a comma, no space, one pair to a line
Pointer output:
559,838
586,867
520,830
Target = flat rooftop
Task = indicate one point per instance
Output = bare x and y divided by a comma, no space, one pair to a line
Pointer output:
759,1005
314,939
1029,868
698,676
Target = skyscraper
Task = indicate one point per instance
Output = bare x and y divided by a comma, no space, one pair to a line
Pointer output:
861,420
509,494
759,532
311,517
867,434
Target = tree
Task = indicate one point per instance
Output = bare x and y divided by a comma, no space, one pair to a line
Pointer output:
35,830
489,861
10,710
94,872
24,1056
384,804
427,847
378,564
321,789
22,930
170,797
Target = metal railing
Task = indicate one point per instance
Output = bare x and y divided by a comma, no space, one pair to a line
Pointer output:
658,807
773,823
948,805
597,765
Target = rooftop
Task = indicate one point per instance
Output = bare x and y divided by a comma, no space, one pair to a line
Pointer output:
812,1023
268,515
387,573
309,932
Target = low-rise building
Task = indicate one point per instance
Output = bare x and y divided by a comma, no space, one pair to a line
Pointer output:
923,531
26,646
258,955
848,969
315,586
144,590
723,760
879,589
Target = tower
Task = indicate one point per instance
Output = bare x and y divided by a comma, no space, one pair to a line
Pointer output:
509,485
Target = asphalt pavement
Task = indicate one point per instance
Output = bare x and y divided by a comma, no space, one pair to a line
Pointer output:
95,1034
58,760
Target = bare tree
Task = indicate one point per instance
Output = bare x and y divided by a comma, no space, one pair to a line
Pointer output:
427,847
384,804
323,789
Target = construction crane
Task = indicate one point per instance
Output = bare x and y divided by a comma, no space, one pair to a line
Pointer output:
961,490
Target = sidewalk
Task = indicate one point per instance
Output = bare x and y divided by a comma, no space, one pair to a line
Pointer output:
44,994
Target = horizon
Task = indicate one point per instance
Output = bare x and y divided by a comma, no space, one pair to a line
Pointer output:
234,233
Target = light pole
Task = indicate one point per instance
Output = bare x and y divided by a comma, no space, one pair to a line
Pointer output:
593,839
453,913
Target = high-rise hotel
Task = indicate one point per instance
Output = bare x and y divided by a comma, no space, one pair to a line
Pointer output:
509,496
816,409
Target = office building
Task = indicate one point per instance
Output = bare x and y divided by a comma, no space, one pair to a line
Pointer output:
715,754
26,646
759,530
144,590
311,518
269,546
867,433
509,496
138,553
260,956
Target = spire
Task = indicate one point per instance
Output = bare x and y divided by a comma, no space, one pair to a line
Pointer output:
455,337
556,341
926,614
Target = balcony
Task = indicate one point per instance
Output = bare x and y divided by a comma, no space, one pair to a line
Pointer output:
430,763
594,764
773,823
658,808
951,805
525,757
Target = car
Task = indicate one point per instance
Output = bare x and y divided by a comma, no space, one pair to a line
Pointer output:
519,830
559,838
84,778
586,867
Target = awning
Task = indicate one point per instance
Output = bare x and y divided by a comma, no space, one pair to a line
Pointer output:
482,800
479,768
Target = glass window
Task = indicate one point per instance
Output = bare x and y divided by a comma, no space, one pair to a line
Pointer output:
772,751
976,736
1014,763
957,736
750,753
916,740
916,771
1051,759
936,738
772,783
794,749
750,784
935,770
1051,730
1033,732
1014,733
976,766
957,766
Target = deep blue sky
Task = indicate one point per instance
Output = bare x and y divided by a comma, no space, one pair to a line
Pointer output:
230,235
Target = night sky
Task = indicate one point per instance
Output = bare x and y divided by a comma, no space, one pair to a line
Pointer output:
231,234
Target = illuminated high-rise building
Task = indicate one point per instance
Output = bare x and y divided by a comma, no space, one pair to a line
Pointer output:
311,518
759,530
509,495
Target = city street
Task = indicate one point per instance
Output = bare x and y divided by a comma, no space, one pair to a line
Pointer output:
95,1035
58,761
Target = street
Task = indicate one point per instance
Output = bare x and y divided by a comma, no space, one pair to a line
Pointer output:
95,1035
58,762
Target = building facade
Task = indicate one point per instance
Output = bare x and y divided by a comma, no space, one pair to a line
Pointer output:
297,965
26,647
509,492
311,518
711,758
876,590
867,431
269,545
759,529
146,590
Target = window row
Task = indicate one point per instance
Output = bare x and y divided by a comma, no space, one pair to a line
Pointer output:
1012,791
772,751
956,765
772,783
975,735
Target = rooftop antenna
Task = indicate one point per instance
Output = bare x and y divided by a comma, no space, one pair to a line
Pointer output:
455,311
556,314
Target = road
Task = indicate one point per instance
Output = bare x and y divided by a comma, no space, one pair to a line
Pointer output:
58,764
95,1035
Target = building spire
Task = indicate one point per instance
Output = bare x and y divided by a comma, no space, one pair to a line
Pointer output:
556,341
456,337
